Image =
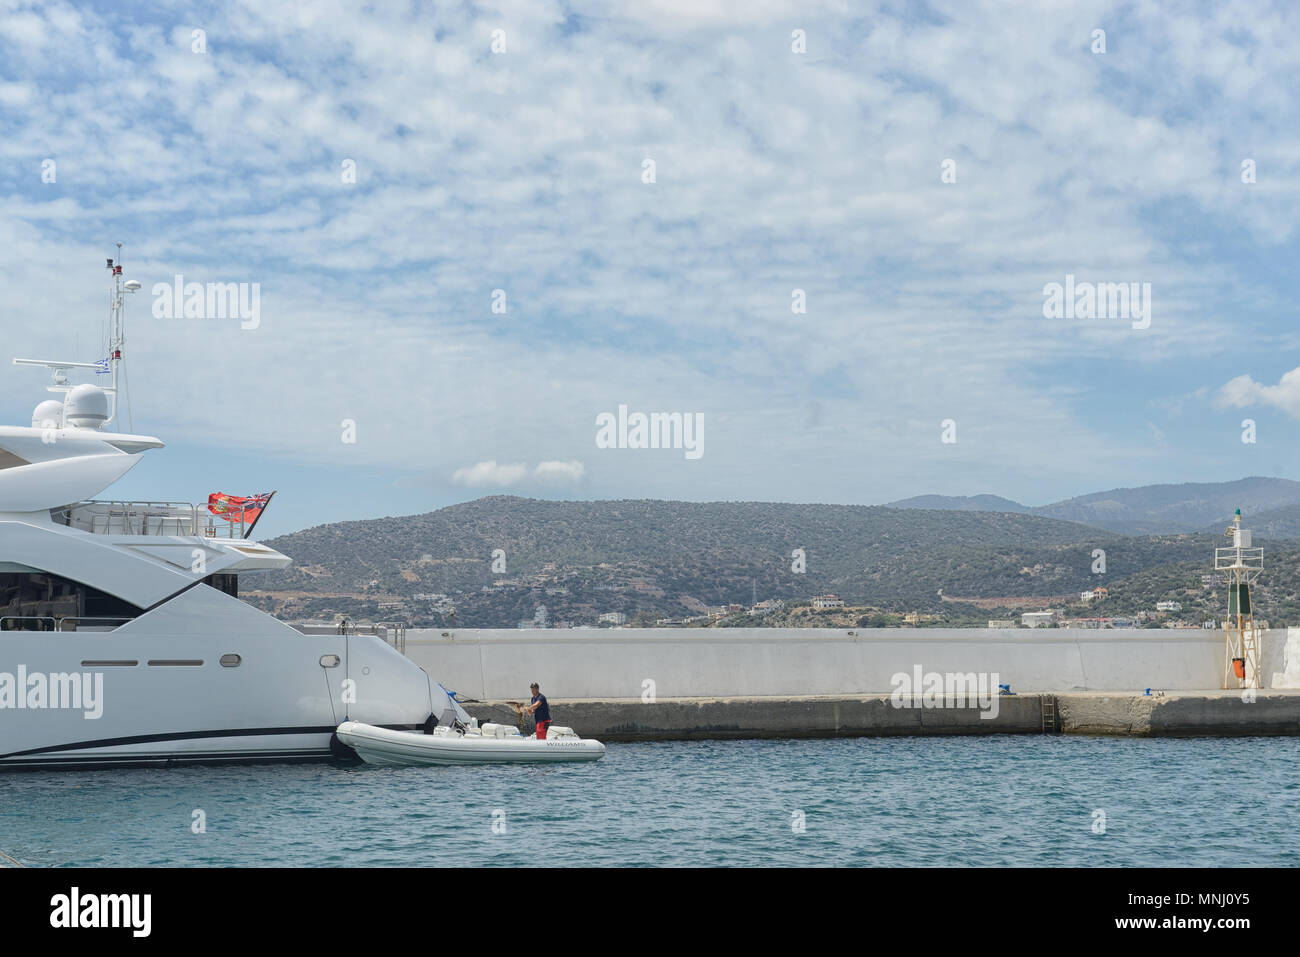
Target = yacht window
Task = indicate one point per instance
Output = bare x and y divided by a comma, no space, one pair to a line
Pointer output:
224,582
35,600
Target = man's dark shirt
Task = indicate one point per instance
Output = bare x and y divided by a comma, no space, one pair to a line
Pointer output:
543,712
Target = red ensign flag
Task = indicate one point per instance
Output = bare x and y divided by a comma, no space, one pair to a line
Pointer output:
237,508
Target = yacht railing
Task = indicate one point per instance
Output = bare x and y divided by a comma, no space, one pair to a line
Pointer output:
88,623
68,623
102,517
7,623
391,634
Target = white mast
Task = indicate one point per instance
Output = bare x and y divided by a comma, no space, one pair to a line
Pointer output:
116,340
1243,564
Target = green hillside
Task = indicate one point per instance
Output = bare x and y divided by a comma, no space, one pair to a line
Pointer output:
667,560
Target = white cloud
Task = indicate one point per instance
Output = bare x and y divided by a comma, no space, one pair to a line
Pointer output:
559,472
1243,391
490,473
522,172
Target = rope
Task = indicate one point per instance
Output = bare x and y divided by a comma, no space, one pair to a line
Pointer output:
10,859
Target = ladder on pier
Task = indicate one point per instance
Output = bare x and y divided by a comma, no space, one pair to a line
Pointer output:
1049,714
1250,650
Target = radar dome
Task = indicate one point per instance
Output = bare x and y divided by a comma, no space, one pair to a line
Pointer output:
86,407
48,415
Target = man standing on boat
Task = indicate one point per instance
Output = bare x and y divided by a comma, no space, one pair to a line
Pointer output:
540,710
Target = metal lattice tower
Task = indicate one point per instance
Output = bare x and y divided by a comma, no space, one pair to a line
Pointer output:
1243,564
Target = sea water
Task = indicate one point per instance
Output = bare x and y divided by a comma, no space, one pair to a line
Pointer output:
965,801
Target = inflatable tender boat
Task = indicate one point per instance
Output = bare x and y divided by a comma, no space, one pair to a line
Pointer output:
466,744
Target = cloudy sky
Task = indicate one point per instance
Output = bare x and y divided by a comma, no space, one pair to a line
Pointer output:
642,193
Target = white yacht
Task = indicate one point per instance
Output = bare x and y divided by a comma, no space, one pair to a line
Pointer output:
122,639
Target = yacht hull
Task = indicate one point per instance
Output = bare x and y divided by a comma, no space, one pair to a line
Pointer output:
204,679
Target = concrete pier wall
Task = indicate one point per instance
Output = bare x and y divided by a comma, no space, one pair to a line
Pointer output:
677,663
1222,713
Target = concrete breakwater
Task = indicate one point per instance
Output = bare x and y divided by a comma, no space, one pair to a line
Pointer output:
825,716
630,684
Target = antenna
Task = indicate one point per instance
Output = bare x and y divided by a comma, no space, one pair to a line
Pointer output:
117,339
111,364
115,325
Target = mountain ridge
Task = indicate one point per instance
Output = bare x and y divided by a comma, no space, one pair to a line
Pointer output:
1146,509
497,560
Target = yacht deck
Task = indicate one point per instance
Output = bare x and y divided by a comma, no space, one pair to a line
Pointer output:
149,518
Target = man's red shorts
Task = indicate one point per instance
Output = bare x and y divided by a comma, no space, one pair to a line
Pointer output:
541,729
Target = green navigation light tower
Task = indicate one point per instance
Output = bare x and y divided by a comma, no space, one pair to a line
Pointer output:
1243,565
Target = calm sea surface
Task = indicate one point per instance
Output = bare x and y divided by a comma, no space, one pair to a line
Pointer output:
867,801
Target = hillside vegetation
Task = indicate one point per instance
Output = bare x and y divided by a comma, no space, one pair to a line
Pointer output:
654,560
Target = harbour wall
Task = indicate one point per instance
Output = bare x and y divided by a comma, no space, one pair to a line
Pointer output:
1222,713
718,663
